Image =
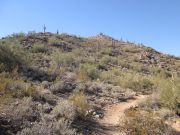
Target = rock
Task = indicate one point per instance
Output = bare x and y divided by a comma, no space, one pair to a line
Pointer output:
94,113
97,116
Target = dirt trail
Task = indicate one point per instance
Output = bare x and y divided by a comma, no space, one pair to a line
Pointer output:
175,124
114,112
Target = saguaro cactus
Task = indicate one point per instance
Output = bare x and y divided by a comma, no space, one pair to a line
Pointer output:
44,28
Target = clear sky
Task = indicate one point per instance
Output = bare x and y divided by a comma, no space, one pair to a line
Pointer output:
155,23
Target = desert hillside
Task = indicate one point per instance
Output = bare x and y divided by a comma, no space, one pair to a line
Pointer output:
61,84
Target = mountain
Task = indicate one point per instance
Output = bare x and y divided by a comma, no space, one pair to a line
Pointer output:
63,84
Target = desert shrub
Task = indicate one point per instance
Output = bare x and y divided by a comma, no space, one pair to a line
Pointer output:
123,63
57,87
4,82
5,97
39,48
19,89
170,93
110,75
62,86
63,59
27,109
135,82
106,60
2,67
53,41
19,115
106,76
142,85
132,48
45,98
106,51
29,92
18,35
60,127
87,71
143,123
165,113
78,52
137,67
79,100
117,61
12,56
159,72
15,88
65,109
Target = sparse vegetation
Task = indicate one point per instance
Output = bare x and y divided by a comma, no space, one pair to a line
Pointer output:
39,48
143,123
62,84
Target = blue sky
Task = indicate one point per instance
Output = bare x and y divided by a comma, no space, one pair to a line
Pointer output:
155,23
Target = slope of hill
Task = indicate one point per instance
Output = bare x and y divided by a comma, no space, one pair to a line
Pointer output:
62,84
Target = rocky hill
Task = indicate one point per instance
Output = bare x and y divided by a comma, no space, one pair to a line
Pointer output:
61,84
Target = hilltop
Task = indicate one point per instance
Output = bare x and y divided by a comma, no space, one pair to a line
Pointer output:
62,84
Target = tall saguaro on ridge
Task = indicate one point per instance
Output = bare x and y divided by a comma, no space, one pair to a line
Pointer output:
44,28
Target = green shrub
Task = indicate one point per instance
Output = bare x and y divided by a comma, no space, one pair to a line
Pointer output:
12,57
39,48
87,71
63,59
142,85
159,72
137,67
15,88
106,60
29,92
65,109
4,82
79,100
110,75
123,63
170,93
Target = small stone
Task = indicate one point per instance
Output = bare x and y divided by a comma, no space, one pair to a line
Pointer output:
97,116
